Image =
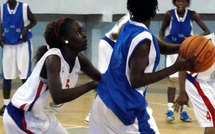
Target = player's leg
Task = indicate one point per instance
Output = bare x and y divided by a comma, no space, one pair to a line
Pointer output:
10,126
184,115
6,86
104,121
171,98
9,72
202,96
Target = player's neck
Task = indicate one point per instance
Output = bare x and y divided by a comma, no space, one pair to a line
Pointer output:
12,5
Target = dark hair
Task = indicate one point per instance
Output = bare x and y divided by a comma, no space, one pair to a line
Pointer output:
142,10
174,1
53,33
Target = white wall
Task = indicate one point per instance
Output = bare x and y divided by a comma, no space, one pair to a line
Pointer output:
107,7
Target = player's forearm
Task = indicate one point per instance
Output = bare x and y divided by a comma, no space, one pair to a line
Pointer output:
66,95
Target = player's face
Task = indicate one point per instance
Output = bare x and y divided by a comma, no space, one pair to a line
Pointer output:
77,37
181,5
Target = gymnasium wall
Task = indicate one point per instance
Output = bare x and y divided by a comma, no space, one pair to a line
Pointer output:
98,16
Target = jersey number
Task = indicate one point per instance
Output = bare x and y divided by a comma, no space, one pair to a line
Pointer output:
67,83
208,116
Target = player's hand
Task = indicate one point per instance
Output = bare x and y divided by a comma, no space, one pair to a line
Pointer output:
183,64
180,101
24,34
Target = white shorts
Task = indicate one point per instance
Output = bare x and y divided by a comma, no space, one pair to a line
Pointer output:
16,61
202,96
19,122
105,52
104,121
170,60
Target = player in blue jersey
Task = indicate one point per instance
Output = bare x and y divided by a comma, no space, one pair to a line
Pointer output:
16,21
120,106
177,25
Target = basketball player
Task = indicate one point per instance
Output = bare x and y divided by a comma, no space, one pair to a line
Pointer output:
17,20
52,82
106,45
120,106
177,25
200,89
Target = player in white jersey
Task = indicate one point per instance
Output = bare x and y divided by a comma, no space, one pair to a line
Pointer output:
107,43
200,88
15,37
52,82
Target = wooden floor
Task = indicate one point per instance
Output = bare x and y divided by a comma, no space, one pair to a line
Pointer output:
73,113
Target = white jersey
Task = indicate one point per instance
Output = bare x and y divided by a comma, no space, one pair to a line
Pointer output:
34,94
210,73
200,89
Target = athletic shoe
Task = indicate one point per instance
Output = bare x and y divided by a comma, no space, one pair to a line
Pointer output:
2,110
170,116
87,117
185,117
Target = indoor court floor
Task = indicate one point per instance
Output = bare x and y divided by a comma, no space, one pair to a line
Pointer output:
73,113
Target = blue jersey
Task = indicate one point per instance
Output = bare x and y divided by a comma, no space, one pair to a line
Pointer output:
179,28
114,88
13,22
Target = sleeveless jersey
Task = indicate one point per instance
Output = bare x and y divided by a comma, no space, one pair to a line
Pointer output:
209,74
114,88
34,95
179,28
13,22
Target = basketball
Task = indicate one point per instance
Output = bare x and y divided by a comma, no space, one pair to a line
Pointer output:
202,48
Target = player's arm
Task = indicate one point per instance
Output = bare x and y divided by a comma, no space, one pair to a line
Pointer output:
167,48
88,68
139,61
165,24
32,23
183,97
59,95
195,16
115,31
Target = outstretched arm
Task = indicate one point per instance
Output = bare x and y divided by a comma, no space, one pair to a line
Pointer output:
88,68
59,95
139,62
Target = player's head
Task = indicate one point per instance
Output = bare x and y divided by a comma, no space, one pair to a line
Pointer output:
142,10
66,32
184,3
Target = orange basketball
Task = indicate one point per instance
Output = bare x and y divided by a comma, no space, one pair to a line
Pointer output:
202,48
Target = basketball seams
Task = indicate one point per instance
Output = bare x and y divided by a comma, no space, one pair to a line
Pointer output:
187,48
200,52
201,49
